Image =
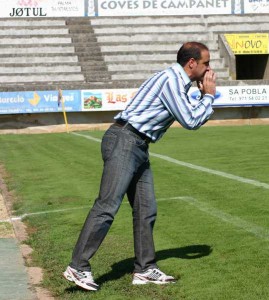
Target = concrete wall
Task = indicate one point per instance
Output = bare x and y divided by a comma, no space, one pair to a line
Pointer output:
54,122
266,73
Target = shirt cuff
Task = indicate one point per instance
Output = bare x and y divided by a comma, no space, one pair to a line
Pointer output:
207,101
211,97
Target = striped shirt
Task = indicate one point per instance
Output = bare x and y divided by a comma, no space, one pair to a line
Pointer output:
161,100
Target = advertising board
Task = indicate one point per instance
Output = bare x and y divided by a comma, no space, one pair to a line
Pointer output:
117,99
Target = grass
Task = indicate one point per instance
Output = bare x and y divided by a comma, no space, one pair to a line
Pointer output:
214,236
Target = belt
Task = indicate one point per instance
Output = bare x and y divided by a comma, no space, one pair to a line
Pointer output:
128,126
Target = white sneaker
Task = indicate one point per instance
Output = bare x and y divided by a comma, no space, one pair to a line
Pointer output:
83,279
152,276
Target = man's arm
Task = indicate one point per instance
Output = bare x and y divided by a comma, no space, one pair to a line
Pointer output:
177,102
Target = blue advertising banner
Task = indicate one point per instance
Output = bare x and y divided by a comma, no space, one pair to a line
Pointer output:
39,102
117,99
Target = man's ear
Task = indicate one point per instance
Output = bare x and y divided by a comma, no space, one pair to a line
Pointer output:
192,62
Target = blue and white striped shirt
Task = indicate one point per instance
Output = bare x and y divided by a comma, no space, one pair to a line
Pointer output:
161,100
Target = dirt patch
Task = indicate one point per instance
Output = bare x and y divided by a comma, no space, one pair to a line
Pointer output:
53,128
6,229
14,127
15,228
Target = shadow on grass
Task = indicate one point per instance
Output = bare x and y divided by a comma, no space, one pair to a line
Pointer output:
126,266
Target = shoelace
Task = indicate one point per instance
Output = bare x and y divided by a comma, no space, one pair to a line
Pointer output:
155,274
84,275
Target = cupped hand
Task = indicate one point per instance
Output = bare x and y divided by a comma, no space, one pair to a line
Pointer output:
208,86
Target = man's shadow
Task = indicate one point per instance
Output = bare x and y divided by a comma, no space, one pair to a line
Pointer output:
125,266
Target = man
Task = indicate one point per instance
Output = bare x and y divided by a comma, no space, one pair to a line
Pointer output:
160,101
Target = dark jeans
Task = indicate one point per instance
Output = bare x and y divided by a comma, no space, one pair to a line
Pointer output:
126,170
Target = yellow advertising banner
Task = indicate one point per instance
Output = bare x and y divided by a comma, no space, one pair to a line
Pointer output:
248,43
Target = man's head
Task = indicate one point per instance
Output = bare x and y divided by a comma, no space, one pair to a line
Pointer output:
194,58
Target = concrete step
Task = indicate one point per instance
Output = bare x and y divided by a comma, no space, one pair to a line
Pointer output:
33,31
89,56
148,66
64,85
115,52
150,47
90,52
233,19
32,22
144,56
81,21
38,59
21,49
84,38
224,74
153,37
69,85
157,20
91,66
41,77
149,29
76,29
49,61
90,77
104,21
30,40
80,47
237,27
39,69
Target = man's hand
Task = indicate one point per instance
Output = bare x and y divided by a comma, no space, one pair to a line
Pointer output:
208,86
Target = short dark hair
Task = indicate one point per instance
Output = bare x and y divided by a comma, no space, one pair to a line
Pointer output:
190,50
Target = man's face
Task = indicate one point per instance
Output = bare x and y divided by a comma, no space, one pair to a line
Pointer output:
200,67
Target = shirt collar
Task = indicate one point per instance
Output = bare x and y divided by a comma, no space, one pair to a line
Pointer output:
186,79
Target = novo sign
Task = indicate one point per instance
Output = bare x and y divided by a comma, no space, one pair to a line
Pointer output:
244,43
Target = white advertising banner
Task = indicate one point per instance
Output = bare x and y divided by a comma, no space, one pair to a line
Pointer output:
42,8
250,95
256,6
163,7
226,96
80,8
117,99
106,100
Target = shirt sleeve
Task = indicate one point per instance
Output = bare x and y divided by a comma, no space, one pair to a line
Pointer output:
176,100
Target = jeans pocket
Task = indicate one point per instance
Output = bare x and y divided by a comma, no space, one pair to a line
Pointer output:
108,144
136,140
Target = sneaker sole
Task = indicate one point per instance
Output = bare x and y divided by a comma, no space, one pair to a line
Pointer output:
67,277
141,282
70,278
85,287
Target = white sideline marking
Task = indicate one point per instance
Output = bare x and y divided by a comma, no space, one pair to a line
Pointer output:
215,172
87,137
15,218
195,167
258,231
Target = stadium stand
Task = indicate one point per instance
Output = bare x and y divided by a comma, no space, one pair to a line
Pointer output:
34,51
88,52
44,54
134,48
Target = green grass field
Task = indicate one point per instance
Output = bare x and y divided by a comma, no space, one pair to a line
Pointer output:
212,229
